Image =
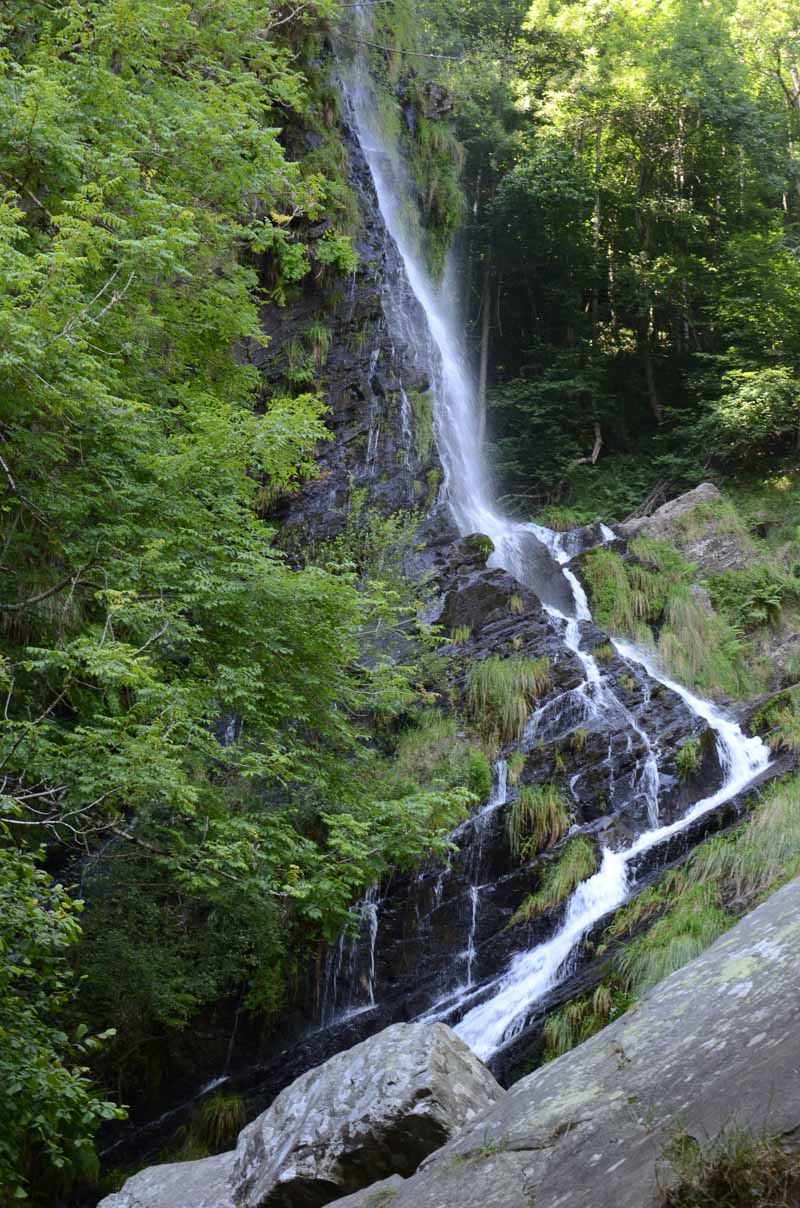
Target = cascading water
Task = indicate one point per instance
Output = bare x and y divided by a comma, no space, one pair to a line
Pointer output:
505,1003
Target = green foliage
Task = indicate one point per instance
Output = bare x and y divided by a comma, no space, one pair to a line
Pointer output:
516,766
422,411
538,818
461,635
561,877
49,1112
182,707
501,693
222,1117
754,596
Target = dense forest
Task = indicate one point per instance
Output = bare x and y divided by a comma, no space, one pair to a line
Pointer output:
215,741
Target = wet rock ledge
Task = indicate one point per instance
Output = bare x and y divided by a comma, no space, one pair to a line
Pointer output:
714,1047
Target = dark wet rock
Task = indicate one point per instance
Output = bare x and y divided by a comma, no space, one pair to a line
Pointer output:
713,1047
372,376
534,566
371,1112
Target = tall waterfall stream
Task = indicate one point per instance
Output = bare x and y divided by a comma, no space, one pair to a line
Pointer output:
489,1015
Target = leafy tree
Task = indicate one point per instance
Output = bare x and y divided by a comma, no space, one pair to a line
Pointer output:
49,1111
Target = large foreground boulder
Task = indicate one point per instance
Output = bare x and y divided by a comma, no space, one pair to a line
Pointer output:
374,1111
715,1047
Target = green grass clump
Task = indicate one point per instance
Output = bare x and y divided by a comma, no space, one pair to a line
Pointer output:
538,818
222,1118
693,923
436,752
461,635
422,410
610,588
604,653
759,856
650,598
689,758
737,1171
501,694
561,519
582,1018
786,733
516,766
578,861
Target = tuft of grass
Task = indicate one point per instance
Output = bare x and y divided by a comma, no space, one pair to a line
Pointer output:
689,758
693,923
578,740
516,604
560,519
222,1118
538,819
759,856
561,878
582,1018
461,635
786,732
502,692
737,1171
436,752
516,766
652,593
604,653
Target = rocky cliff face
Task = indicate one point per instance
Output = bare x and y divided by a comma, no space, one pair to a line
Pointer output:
372,376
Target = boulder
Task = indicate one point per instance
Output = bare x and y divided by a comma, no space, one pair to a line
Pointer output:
712,542
712,1048
369,1113
376,1110
203,1184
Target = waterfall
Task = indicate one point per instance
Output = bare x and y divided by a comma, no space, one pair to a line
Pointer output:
506,1002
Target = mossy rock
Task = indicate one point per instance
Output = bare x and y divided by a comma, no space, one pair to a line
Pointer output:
480,545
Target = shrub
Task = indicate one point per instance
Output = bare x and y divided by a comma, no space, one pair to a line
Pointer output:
502,692
577,862
538,818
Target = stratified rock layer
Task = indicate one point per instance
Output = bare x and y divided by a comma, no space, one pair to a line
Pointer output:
714,1047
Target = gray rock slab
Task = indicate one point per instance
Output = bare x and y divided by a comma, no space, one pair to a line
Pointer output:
715,1046
203,1184
373,1111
